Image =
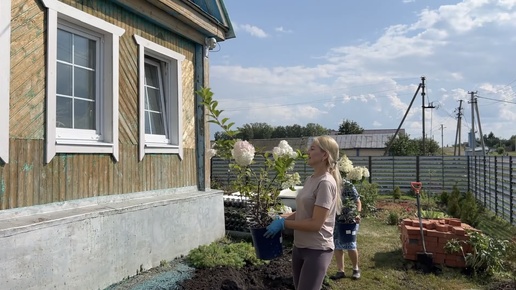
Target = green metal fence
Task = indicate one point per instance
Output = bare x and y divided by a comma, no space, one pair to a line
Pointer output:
491,178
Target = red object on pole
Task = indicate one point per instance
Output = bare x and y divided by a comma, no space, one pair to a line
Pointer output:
416,186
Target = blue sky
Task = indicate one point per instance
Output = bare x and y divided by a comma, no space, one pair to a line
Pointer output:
297,62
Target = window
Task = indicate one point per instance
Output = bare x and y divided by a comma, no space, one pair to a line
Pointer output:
5,68
160,95
82,85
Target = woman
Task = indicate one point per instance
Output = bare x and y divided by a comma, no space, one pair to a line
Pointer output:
316,206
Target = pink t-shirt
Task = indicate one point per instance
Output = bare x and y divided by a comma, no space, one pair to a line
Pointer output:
320,191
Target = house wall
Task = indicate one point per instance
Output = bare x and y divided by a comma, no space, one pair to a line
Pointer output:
93,243
27,180
85,221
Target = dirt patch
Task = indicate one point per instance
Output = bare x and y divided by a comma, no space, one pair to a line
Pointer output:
274,275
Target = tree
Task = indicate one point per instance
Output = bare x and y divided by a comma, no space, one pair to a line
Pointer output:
262,130
221,136
313,129
294,131
491,141
402,146
431,146
350,127
246,132
279,132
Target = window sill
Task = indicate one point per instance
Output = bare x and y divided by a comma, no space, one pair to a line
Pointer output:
83,147
161,148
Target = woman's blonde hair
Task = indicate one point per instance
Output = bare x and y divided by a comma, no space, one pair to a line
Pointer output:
330,146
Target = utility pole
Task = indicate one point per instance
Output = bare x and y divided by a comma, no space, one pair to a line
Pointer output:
458,132
472,140
423,107
442,140
480,130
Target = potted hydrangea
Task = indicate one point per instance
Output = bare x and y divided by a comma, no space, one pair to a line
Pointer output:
346,220
261,187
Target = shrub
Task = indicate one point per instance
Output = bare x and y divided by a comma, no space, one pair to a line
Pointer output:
431,214
469,210
442,198
396,193
368,196
488,254
223,253
393,218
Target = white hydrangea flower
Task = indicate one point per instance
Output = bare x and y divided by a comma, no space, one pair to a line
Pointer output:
344,164
292,180
355,174
365,172
282,149
243,152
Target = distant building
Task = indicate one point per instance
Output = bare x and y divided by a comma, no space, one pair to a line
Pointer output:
369,143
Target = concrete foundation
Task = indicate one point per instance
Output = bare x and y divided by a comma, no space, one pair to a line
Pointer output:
93,243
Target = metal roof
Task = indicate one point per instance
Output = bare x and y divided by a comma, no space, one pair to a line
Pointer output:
357,141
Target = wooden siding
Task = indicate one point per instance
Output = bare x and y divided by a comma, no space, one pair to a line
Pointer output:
27,180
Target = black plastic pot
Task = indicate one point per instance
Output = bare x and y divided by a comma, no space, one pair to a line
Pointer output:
267,248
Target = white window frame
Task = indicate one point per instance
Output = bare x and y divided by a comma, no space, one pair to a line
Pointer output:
5,77
173,91
57,13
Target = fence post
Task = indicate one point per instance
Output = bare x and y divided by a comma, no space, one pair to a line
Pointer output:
496,184
511,188
468,165
370,161
417,168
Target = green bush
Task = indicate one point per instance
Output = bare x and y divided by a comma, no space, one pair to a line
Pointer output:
368,196
453,207
396,193
442,198
393,218
469,210
223,253
488,256
431,214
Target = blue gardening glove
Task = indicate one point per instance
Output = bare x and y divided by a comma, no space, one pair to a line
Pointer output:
276,226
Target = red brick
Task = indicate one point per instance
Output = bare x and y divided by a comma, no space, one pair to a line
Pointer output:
430,239
440,235
438,258
412,230
407,222
441,228
430,225
412,249
454,222
458,231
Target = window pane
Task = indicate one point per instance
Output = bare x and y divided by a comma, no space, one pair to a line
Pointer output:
151,75
64,46
153,100
64,79
84,114
84,52
147,123
156,124
64,112
84,83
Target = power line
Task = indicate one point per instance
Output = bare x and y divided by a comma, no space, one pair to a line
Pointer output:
497,100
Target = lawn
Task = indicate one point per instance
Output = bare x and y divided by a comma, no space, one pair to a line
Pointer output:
383,266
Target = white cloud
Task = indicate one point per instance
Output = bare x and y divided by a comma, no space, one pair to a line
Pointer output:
459,48
283,30
252,30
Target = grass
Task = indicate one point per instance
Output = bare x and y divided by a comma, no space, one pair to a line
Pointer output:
383,266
